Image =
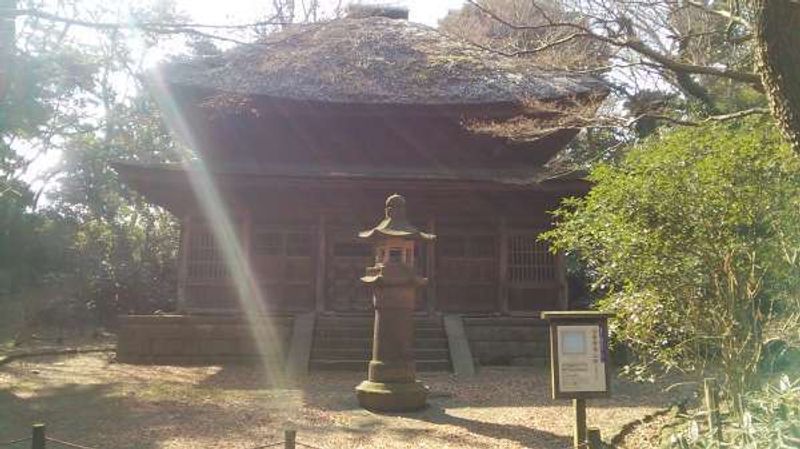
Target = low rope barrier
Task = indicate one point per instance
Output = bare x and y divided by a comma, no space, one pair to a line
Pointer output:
13,442
308,445
279,443
39,439
68,444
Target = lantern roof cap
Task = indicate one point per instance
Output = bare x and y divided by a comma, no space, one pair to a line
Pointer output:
395,223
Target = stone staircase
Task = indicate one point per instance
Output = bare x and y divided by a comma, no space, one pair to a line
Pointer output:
345,343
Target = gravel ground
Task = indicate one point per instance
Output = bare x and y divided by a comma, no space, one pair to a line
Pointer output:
90,400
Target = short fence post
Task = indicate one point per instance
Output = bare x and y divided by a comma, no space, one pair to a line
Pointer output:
712,407
593,438
579,438
289,439
37,437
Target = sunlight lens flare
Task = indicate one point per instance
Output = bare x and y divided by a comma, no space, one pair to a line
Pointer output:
215,211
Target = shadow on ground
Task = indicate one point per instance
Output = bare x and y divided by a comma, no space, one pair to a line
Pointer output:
89,400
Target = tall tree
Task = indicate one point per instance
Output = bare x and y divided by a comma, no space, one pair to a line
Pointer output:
703,50
545,46
777,31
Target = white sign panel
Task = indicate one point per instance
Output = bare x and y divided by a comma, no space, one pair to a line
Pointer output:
581,365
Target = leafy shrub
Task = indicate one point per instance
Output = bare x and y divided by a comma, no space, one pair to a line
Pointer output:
692,239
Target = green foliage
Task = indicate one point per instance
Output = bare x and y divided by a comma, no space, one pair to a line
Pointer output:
110,250
771,420
692,239
79,93
33,247
125,249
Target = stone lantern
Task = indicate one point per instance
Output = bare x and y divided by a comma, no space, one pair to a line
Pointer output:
391,384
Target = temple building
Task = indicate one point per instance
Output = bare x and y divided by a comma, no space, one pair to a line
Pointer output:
306,132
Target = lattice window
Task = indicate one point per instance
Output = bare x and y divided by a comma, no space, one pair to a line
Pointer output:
205,262
530,260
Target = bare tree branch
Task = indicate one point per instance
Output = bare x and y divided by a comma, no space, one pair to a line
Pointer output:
709,119
633,43
152,27
539,49
722,13
133,26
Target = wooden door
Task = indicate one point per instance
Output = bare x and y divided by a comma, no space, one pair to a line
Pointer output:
466,271
347,258
283,261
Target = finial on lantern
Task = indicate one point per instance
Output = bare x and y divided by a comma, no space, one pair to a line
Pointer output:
395,201
395,223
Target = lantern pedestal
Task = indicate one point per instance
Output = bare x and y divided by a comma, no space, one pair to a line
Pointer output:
391,385
392,397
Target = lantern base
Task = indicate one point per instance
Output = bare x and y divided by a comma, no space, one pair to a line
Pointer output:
392,397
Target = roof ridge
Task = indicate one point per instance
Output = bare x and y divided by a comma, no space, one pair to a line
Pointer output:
376,60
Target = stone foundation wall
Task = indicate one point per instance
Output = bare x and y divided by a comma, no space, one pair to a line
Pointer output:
508,340
194,339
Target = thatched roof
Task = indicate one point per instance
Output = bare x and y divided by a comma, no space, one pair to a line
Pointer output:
375,60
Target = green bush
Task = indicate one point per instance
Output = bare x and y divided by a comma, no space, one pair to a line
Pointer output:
692,239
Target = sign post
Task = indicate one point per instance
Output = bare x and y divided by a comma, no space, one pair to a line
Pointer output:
579,362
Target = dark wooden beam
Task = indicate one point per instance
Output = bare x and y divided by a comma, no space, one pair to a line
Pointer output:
183,262
563,291
321,265
502,280
431,268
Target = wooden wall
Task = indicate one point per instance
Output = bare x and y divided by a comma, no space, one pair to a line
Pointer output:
306,255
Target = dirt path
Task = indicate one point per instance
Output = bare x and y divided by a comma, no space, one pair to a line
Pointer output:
92,401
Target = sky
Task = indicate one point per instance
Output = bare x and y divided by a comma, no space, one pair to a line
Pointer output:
239,11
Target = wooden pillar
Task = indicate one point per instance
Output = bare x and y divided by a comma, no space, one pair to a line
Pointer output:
321,266
561,273
502,275
245,227
183,262
38,438
246,239
289,439
431,269
593,438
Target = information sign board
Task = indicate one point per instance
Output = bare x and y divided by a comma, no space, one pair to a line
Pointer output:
579,354
581,363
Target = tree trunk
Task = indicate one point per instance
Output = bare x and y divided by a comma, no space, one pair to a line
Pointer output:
777,33
7,42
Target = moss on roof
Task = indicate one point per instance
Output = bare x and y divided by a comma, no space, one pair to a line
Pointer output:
375,60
